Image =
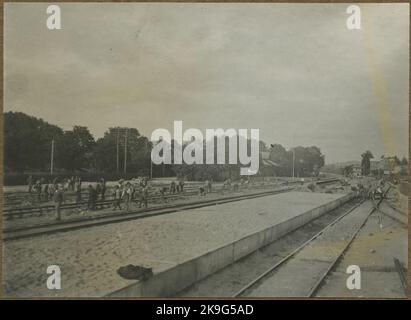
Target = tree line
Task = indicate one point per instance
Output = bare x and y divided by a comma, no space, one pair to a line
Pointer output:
28,144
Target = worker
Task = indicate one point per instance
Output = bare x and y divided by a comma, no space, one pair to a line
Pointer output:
55,182
98,189
78,191
92,195
241,182
162,192
248,182
117,197
51,190
208,186
235,186
103,189
181,184
172,187
46,191
128,192
30,183
79,181
37,188
70,184
144,196
360,190
133,188
58,200
227,184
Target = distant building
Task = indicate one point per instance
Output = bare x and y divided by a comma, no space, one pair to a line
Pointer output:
374,166
388,166
356,171
268,168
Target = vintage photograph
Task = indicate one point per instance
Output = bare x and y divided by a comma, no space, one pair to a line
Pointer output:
182,150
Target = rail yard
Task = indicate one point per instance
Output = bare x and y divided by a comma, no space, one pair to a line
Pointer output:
269,238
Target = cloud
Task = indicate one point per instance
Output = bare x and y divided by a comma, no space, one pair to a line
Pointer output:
293,71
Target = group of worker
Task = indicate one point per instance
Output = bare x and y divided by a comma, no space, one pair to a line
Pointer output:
367,191
235,185
45,189
122,191
94,193
135,190
206,188
129,192
176,187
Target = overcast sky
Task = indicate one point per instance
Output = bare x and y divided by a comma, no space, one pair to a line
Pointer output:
294,71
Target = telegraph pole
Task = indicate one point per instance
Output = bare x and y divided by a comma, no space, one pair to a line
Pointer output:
52,157
125,152
151,163
118,129
151,169
293,156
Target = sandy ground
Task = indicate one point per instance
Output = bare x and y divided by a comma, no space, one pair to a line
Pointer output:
89,258
398,200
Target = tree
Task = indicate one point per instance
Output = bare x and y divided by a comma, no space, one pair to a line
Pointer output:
138,151
204,171
73,149
366,162
27,142
280,156
307,161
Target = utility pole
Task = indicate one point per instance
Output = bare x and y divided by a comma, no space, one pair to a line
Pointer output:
117,146
293,156
52,157
125,152
151,163
293,164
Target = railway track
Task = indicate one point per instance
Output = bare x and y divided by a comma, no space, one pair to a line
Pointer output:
20,197
39,205
14,233
19,212
22,211
301,255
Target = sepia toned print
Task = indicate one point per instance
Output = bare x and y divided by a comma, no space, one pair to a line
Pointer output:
205,150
